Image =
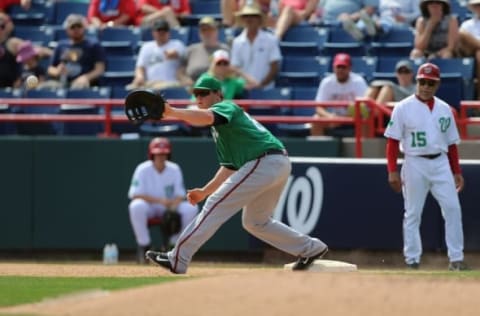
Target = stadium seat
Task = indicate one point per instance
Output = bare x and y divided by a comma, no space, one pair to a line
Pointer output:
175,93
269,94
119,70
339,41
40,13
462,69
201,9
302,129
41,128
8,93
302,41
119,92
451,91
397,42
302,71
120,41
38,35
64,8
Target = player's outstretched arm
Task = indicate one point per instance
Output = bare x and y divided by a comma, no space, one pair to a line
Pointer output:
199,117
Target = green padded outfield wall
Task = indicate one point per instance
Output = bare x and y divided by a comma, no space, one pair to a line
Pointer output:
71,193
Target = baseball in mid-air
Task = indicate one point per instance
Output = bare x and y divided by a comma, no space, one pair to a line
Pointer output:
31,81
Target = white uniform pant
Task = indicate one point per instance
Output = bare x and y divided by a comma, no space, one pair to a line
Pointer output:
140,211
421,175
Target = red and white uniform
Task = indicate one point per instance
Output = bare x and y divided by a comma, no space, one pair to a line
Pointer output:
168,184
427,132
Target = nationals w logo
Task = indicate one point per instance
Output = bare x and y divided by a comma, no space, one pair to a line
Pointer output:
302,201
444,123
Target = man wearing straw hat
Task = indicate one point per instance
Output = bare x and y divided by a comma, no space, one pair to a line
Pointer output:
255,51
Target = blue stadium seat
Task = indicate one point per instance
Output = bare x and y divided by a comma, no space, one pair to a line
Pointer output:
201,9
462,69
38,35
269,94
451,91
119,92
64,8
119,70
87,128
302,41
41,128
397,42
8,93
339,41
302,129
40,13
120,41
302,71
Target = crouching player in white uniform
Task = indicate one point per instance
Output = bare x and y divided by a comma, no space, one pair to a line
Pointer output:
425,127
157,186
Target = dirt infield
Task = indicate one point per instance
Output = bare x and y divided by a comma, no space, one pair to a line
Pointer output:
235,290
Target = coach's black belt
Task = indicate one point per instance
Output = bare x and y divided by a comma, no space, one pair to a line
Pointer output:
431,156
274,152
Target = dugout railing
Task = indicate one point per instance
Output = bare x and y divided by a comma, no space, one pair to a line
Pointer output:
370,126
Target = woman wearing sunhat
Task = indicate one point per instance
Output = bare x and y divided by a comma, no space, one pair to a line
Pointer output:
436,31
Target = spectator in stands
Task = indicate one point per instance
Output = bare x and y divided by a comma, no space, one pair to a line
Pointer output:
229,9
5,4
198,55
158,60
293,12
384,91
169,10
29,58
469,39
436,31
392,13
354,15
233,85
342,85
256,52
105,13
9,46
78,62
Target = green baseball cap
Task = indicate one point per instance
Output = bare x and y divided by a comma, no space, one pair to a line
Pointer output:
207,83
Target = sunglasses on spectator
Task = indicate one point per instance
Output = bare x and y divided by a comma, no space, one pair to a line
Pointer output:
3,26
222,63
430,83
404,71
201,93
76,26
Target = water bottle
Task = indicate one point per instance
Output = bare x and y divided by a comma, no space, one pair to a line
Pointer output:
114,253
106,254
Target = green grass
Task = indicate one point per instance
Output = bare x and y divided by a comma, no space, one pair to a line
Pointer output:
16,290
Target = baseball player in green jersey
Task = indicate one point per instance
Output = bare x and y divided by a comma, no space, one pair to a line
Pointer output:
254,168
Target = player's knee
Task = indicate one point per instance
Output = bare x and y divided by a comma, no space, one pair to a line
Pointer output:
137,206
253,225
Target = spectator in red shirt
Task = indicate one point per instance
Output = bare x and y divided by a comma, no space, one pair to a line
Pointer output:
5,4
108,13
168,10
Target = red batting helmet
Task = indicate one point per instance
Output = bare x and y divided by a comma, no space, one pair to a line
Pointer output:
159,145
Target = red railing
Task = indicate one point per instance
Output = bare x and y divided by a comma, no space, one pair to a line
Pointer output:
374,123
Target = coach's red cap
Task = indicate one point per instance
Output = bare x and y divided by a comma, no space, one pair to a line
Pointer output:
428,71
342,59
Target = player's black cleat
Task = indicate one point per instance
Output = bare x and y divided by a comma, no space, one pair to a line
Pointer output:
458,266
160,258
413,265
303,263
